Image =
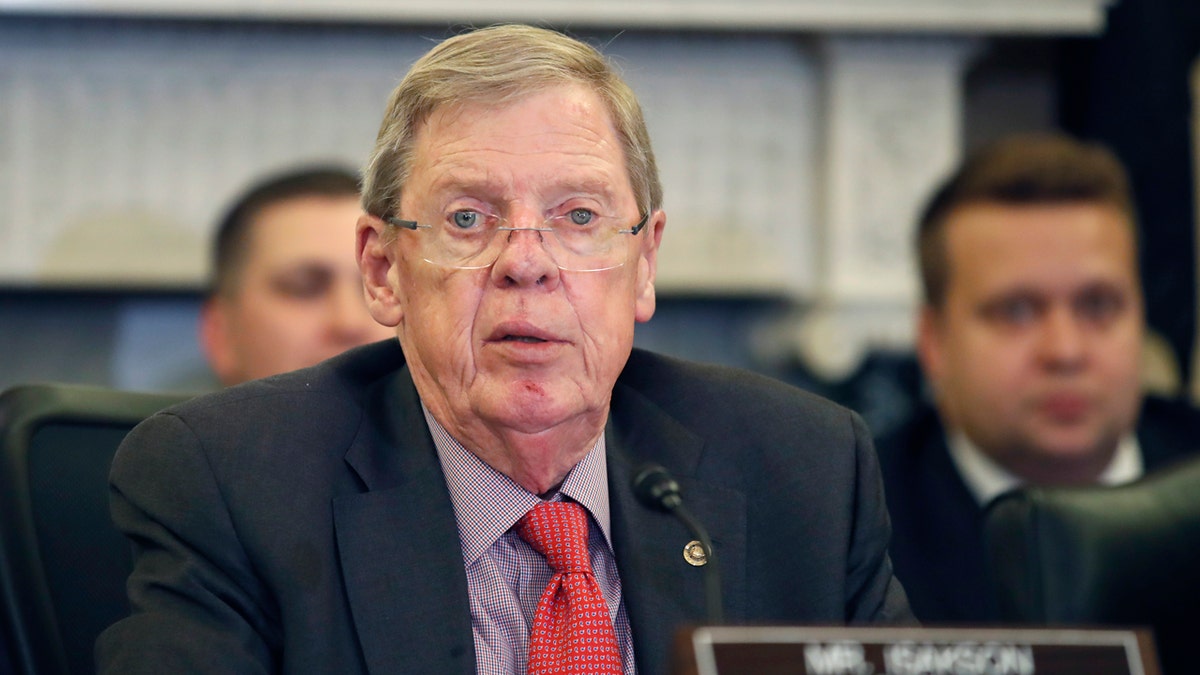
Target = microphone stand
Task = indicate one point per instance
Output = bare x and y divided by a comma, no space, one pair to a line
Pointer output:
655,488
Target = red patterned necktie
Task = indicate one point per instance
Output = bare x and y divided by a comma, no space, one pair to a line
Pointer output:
572,632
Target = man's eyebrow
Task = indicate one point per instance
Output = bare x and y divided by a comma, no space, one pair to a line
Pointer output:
592,186
993,300
465,181
1103,285
1015,291
307,267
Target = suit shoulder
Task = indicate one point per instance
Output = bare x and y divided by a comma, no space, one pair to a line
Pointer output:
1168,430
912,455
1174,412
304,401
914,437
680,386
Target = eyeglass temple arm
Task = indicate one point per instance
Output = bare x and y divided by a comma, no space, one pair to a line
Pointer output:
640,224
406,224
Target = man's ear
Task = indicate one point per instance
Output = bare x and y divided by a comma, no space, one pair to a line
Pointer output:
647,270
930,350
377,262
216,339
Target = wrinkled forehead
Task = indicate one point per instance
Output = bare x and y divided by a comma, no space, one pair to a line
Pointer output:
561,138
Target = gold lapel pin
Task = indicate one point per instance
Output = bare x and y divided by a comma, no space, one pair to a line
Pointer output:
694,554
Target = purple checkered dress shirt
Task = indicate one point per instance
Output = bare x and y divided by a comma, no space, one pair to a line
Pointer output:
505,575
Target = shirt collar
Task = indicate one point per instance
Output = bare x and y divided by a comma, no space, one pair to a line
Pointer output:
487,503
987,480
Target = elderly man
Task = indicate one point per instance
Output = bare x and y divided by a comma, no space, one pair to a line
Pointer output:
461,500
1031,338
286,292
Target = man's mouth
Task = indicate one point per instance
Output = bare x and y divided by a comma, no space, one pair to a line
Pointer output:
521,338
1066,406
520,332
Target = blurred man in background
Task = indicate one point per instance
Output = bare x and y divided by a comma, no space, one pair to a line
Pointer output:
1031,338
286,292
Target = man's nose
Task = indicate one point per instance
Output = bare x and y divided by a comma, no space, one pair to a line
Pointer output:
1063,340
524,257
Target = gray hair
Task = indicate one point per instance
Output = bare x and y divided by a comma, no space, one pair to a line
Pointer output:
497,65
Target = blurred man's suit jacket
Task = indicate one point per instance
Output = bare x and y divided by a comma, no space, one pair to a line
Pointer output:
937,545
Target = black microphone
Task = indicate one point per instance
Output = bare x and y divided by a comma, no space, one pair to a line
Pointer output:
656,489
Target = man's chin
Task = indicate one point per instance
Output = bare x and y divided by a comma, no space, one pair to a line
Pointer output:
528,409
1076,458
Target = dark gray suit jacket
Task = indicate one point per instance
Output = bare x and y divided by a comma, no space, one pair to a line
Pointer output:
302,523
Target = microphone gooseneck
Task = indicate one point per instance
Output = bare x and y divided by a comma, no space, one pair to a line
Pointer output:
657,489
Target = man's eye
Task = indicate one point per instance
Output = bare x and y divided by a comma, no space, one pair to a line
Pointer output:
1013,311
465,219
303,284
581,216
1099,306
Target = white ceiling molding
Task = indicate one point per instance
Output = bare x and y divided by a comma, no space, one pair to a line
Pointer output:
940,16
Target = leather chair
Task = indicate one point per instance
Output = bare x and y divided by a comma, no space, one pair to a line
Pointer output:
62,563
1115,556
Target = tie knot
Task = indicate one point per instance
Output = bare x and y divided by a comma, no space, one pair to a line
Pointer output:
559,531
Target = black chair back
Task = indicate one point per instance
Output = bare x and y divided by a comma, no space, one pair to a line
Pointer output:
62,563
1117,556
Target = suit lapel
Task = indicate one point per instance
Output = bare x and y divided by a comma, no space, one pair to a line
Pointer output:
952,526
662,592
402,558
399,546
